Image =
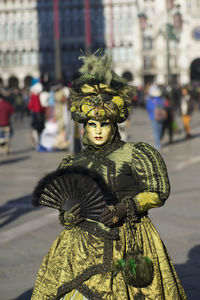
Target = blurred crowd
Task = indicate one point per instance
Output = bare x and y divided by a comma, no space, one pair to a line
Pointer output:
48,111
53,130
164,104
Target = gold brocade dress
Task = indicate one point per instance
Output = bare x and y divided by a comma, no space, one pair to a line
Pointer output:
79,263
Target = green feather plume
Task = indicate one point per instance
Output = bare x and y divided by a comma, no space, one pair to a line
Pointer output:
96,67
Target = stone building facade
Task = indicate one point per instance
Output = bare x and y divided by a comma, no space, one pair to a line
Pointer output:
183,53
139,50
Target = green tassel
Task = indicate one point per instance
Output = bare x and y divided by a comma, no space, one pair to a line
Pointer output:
121,262
133,265
148,260
118,266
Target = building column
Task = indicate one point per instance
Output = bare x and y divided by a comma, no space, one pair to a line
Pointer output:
160,60
184,68
137,79
184,77
5,78
21,82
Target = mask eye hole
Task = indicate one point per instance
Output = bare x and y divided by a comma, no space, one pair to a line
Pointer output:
92,124
105,124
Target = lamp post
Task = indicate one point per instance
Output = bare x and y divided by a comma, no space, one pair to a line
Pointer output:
143,20
168,54
172,34
57,62
171,31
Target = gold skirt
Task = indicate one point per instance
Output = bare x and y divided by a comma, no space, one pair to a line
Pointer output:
74,295
70,266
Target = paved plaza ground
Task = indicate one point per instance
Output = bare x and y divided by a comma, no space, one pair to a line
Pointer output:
26,233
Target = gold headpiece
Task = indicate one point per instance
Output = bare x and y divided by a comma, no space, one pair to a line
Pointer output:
99,92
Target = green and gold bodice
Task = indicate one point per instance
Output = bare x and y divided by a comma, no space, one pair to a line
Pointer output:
129,169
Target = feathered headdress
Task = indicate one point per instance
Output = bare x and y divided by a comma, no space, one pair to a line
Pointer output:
99,92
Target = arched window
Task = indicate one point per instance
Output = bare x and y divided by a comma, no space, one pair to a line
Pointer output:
7,59
195,70
33,58
20,31
122,53
130,54
14,60
6,31
115,54
13,82
28,30
17,58
149,62
147,42
23,30
27,83
3,59
25,60
129,24
14,31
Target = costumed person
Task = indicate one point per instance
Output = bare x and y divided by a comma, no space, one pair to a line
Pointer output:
109,248
60,112
157,113
49,133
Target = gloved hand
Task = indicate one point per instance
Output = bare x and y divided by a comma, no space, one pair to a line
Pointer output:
72,216
114,215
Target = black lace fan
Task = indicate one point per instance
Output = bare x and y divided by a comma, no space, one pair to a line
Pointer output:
64,188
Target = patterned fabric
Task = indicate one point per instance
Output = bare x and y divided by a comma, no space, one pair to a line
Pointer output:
99,92
74,295
81,260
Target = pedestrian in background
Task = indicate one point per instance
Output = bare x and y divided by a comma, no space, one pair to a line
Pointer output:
168,122
6,111
19,105
186,110
37,113
157,113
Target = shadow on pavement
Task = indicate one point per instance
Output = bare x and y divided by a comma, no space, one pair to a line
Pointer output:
189,273
25,296
15,208
22,151
182,140
14,160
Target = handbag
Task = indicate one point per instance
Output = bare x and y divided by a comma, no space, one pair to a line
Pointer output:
137,269
160,114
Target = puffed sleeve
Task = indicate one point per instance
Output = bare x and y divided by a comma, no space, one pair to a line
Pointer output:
152,178
67,161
